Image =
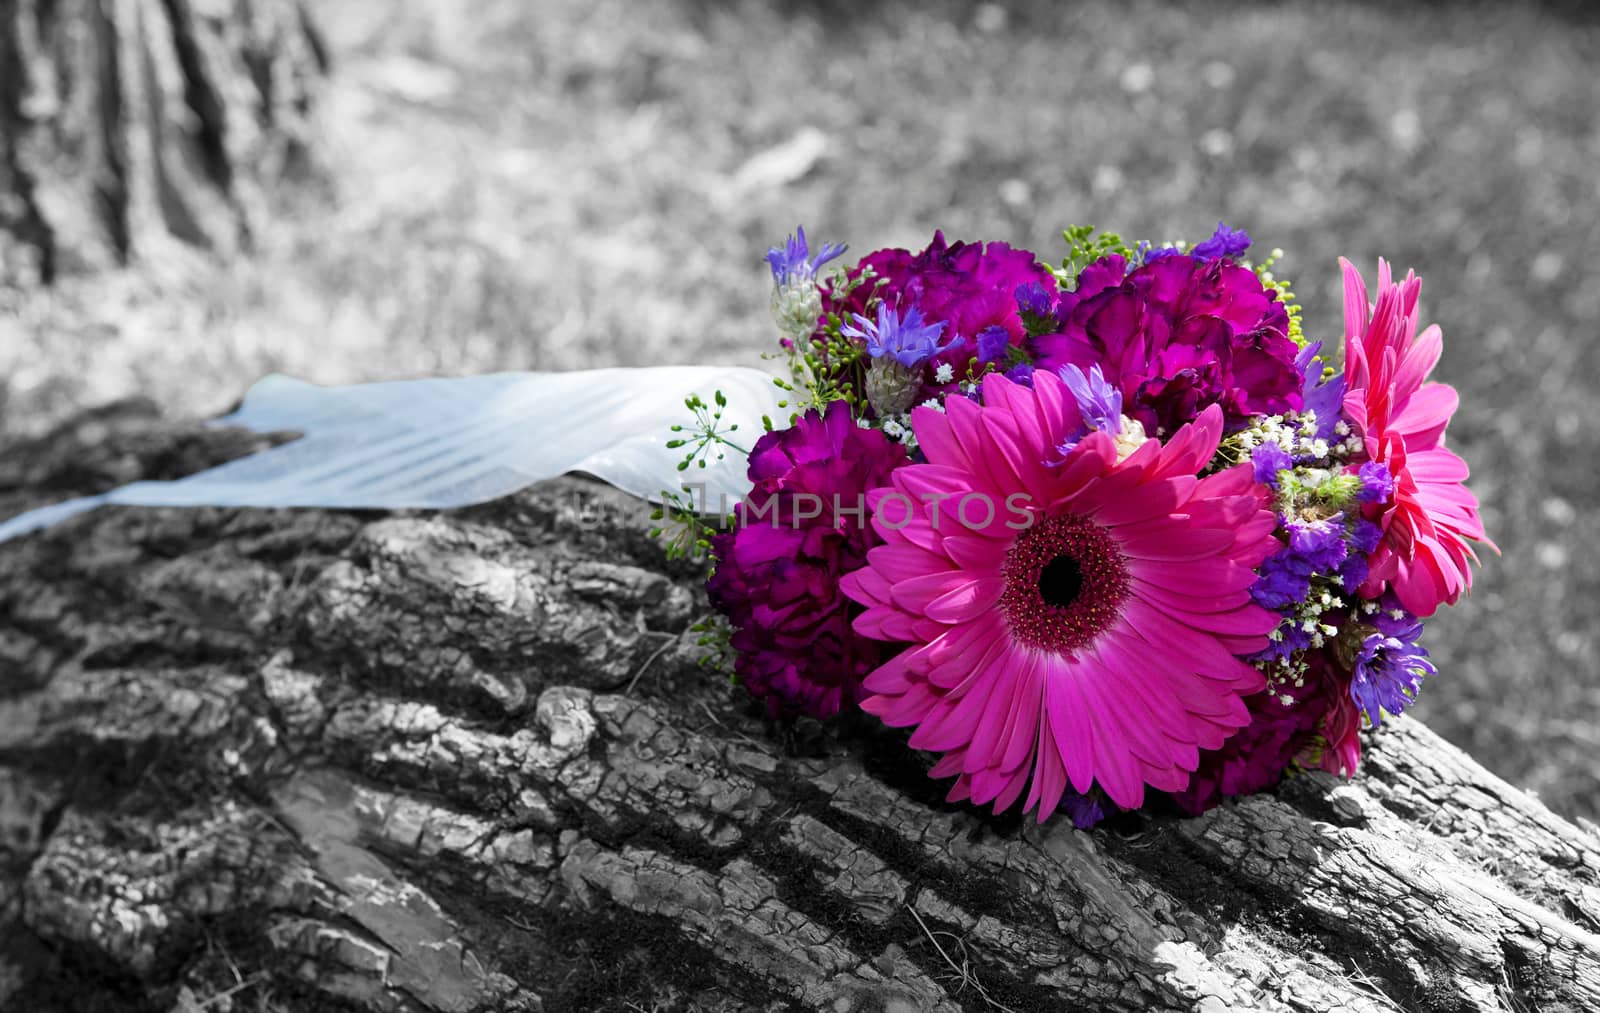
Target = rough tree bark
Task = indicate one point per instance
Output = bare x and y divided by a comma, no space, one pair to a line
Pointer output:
312,760
130,126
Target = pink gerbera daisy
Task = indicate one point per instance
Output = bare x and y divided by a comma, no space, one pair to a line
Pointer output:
1071,620
1431,517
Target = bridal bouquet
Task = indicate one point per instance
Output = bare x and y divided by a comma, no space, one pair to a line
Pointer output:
1087,530
1094,529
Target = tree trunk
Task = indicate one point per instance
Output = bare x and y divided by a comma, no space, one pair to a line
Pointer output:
295,760
130,127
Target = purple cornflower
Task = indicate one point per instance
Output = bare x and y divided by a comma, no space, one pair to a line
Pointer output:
1390,664
1324,399
908,340
1224,242
1268,459
794,262
1099,403
1377,485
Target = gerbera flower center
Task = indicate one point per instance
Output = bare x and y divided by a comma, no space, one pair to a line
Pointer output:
1060,581
1065,580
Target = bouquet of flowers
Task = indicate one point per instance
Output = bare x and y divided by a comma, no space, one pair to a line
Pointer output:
1093,529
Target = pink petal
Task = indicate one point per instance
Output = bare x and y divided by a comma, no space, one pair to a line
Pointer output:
980,556
1000,709
1070,724
1022,729
884,624
1418,361
1356,309
865,585
1114,769
901,562
1049,776
1423,420
1016,781
1128,723
938,443
966,602
914,593
1161,541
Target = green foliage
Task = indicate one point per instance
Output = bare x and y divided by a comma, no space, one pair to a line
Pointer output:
1085,246
1285,295
830,366
706,433
682,526
680,521
714,639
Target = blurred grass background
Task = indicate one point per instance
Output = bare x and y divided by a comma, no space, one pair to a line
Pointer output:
572,183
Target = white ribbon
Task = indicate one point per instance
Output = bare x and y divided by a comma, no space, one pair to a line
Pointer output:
441,443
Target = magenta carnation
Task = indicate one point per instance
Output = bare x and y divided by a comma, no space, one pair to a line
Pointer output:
1177,335
778,567
969,287
1077,623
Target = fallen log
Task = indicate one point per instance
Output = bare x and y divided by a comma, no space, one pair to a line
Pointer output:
288,760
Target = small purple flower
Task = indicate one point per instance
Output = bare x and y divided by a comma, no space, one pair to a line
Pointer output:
1291,638
1325,399
1153,254
1390,665
793,262
1365,536
1362,538
1021,373
1268,459
908,340
1084,811
1282,581
1224,242
1036,305
1036,299
1353,571
1377,485
1320,543
993,342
